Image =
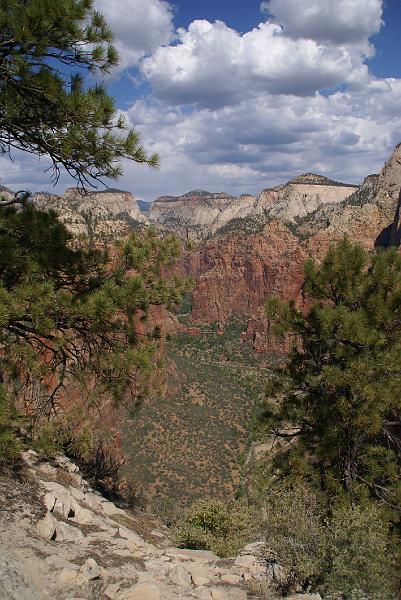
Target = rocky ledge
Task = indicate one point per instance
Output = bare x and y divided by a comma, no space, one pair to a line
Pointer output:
61,539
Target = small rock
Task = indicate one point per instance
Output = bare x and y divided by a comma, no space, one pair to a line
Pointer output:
129,535
90,570
67,533
111,592
185,554
180,576
142,591
157,534
47,527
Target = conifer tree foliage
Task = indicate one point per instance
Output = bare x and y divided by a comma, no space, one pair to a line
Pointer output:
338,397
46,48
71,314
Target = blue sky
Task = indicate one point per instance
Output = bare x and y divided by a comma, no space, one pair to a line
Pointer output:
387,62
242,95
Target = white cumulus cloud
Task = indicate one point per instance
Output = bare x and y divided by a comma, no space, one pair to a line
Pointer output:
139,26
338,21
214,65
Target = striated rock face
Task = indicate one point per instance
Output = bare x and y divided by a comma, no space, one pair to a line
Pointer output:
199,214
390,178
98,215
235,274
306,193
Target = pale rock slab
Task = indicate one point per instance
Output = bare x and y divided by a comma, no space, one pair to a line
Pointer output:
180,576
219,594
67,577
90,570
67,533
77,494
47,527
142,591
204,594
129,535
200,575
185,554
111,591
110,509
157,534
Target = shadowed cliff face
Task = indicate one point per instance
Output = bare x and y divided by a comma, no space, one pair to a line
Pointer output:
235,274
395,233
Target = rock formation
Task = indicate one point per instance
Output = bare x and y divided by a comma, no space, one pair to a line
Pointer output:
104,215
237,271
61,539
199,214
395,234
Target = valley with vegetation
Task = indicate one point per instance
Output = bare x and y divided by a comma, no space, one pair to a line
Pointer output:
200,395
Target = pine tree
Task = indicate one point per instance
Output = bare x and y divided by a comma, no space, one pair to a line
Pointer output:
338,397
46,46
71,314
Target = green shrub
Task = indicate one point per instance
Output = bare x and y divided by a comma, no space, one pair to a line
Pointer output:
10,444
216,526
295,532
359,565
343,554
62,436
168,509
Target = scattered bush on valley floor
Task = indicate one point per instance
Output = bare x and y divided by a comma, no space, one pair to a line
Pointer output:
222,528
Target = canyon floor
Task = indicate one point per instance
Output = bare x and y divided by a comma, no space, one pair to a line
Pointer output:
190,441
